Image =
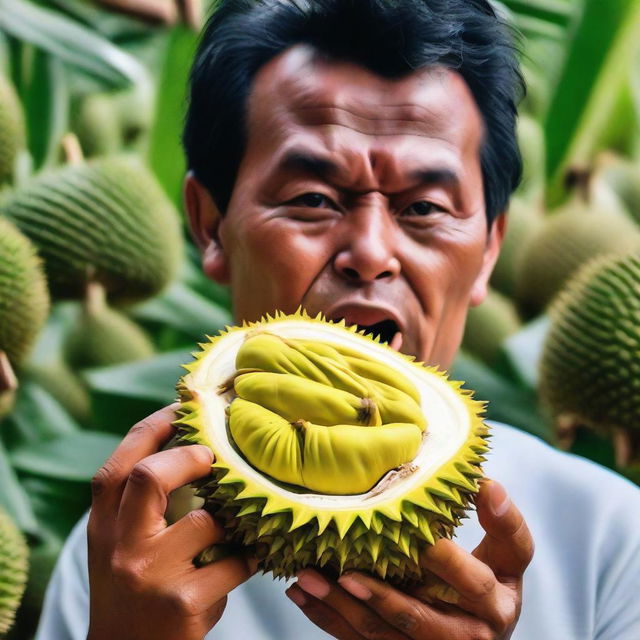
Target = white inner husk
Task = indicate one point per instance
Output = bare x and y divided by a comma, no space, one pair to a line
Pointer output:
448,418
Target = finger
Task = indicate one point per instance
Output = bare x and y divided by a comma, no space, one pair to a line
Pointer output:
144,438
507,546
322,615
409,615
466,582
193,533
144,500
468,576
215,581
364,619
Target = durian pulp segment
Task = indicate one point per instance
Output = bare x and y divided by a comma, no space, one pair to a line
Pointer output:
449,420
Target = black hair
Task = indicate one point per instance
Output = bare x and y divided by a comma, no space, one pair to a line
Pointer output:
389,37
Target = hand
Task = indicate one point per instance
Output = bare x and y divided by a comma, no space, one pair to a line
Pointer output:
143,583
481,598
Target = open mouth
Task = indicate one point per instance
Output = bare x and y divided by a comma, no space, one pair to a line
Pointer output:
386,330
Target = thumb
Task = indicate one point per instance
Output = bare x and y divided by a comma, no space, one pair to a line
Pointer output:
507,546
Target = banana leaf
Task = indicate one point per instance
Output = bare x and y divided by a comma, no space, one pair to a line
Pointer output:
72,42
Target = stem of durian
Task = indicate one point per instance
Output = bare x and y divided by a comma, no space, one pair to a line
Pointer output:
71,149
626,446
8,378
95,299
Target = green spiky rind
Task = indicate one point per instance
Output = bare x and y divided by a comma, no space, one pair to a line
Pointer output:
489,325
108,221
385,540
523,222
568,240
590,368
105,338
12,130
24,297
14,555
97,126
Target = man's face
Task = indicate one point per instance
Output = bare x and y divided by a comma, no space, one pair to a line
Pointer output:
357,196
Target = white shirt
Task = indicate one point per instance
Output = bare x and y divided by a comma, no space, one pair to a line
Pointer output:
583,582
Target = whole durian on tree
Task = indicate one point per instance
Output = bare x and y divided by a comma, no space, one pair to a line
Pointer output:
105,221
489,325
12,130
569,238
331,449
24,306
103,336
14,555
590,366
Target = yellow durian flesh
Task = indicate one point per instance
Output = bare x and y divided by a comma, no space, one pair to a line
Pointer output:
381,529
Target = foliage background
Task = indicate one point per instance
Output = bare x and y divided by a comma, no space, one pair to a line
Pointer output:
581,59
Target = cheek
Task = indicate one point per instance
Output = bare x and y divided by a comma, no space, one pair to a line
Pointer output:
274,265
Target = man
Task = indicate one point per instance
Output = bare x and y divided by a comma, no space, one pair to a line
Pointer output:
356,158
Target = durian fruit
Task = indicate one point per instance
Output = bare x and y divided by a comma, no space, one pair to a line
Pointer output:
12,130
349,490
14,555
569,237
96,125
523,222
618,178
103,336
590,365
532,148
489,325
24,298
106,221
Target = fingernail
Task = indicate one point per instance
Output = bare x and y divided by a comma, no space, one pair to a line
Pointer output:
499,501
355,588
296,596
313,584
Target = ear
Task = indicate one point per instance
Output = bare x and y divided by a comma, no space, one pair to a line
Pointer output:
491,253
204,222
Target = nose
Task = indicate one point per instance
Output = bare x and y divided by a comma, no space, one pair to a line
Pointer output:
368,252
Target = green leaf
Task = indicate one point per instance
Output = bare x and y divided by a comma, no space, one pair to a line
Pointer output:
508,403
36,417
182,308
166,156
597,66
153,379
125,394
13,497
45,96
72,42
73,457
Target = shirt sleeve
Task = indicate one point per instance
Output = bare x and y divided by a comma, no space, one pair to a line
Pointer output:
65,613
618,611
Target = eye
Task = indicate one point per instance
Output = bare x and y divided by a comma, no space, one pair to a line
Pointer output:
312,200
422,208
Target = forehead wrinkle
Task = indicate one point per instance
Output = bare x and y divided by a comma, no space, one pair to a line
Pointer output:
372,119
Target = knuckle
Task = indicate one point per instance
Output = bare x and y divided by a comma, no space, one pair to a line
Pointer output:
369,625
183,604
201,521
407,620
143,475
129,575
144,426
105,477
200,454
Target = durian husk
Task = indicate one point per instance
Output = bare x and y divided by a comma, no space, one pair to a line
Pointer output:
24,297
383,531
14,555
12,130
590,369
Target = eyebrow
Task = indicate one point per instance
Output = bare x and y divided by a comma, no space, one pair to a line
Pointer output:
310,163
298,160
